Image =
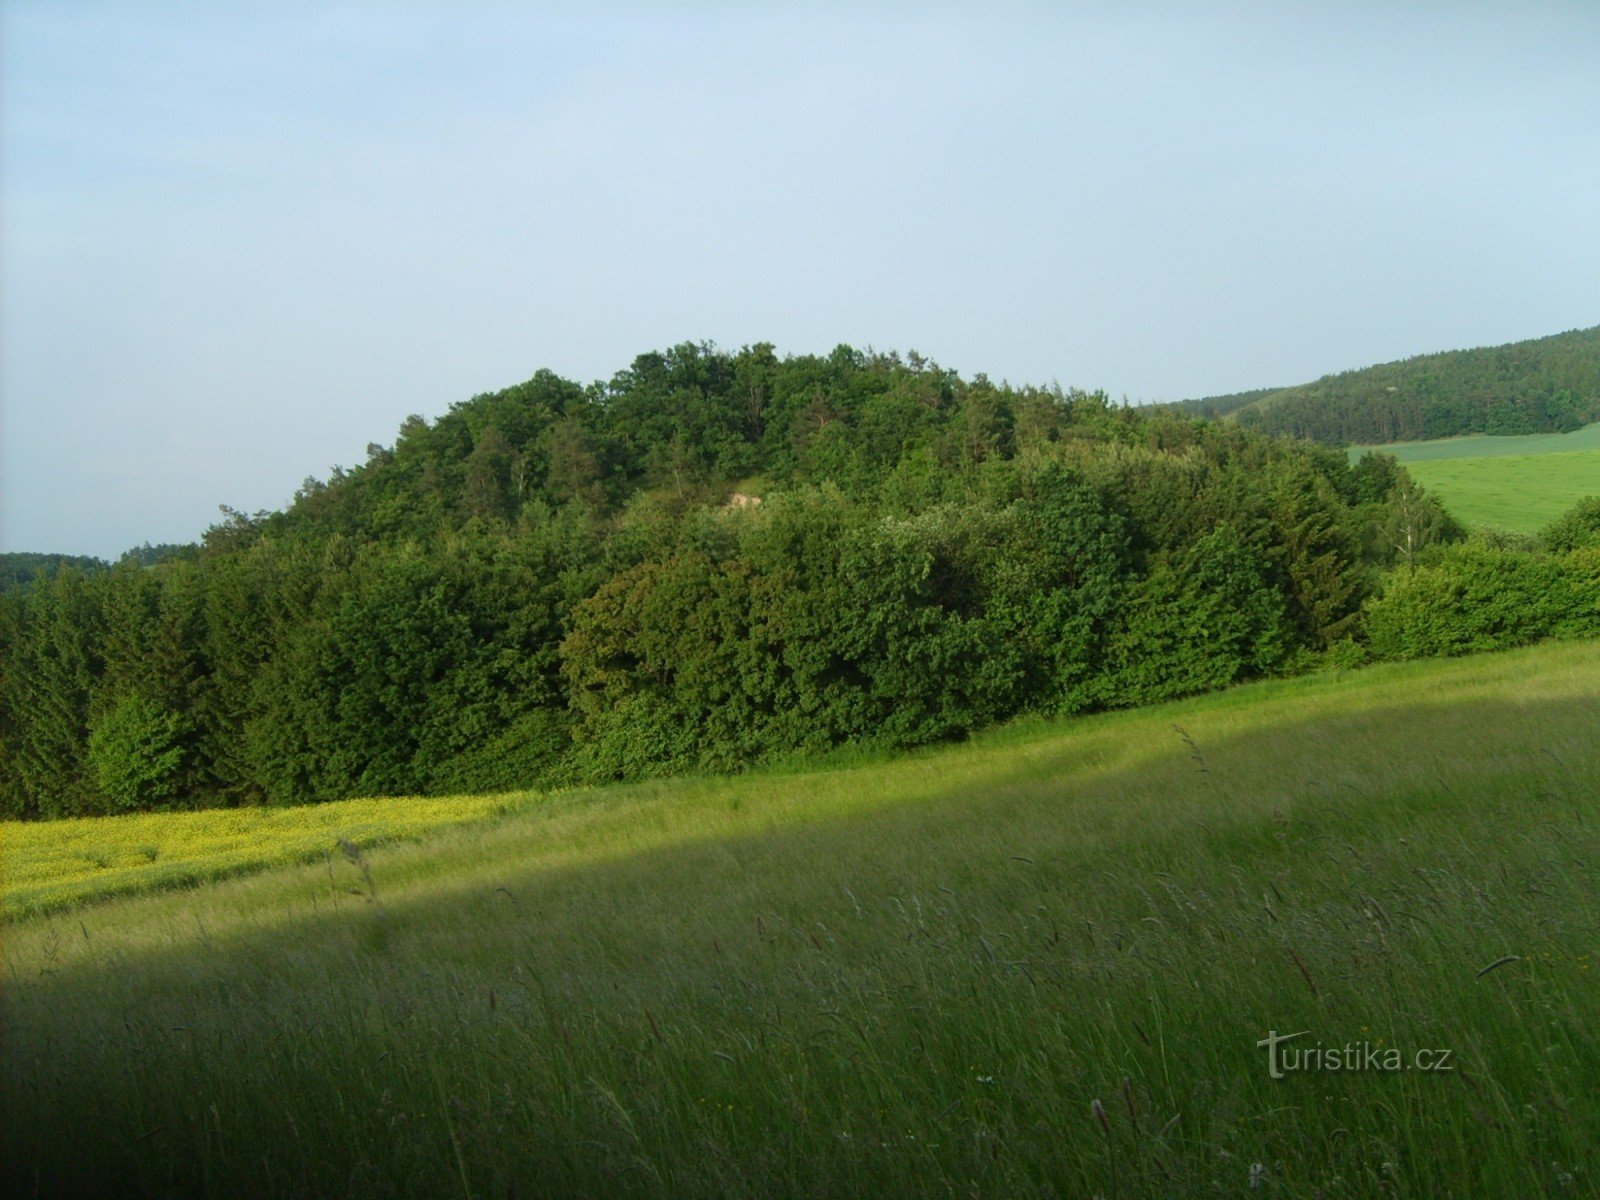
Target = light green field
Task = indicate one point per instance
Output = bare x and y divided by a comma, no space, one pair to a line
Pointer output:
1483,446
1516,483
51,865
1523,493
1037,964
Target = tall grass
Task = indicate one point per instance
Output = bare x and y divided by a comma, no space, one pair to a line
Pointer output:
1035,965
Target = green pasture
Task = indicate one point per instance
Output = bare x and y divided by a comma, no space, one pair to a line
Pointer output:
1521,493
1516,483
1035,964
1485,446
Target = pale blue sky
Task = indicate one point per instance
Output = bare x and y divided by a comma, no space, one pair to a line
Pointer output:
238,243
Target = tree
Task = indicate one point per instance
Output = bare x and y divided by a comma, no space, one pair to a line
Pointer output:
1205,618
489,490
1576,529
1473,598
1415,521
574,471
52,666
137,750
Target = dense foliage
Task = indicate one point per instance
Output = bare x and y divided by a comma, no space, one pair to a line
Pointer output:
1548,385
1481,597
714,559
18,568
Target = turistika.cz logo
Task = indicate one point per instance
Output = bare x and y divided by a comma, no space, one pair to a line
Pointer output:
1285,1059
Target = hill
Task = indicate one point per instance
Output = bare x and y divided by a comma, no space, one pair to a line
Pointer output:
1042,963
710,561
1545,385
713,561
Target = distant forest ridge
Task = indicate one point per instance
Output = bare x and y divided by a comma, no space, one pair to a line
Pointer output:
20,567
1546,385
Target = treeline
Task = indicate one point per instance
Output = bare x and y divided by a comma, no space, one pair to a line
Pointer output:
18,567
1493,591
1548,385
714,559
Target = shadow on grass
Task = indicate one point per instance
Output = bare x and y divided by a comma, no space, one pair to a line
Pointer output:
883,918
1341,774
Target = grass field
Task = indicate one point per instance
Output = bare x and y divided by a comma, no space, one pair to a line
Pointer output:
1038,964
1520,492
1516,483
1482,446
55,864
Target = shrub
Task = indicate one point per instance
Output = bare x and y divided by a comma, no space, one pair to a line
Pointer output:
1474,598
1576,529
137,752
1205,619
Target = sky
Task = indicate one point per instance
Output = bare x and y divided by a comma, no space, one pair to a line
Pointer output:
239,243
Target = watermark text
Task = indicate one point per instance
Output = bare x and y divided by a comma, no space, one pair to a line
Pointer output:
1287,1055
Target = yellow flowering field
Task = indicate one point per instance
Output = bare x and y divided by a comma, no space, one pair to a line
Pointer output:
51,864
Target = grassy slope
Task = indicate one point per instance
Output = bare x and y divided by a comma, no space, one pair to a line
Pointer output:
904,977
1520,483
51,865
1480,446
1523,494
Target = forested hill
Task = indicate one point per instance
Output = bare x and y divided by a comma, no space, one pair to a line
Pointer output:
712,559
1547,385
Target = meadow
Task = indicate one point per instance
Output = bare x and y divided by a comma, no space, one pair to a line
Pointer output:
1039,963
1515,483
56,864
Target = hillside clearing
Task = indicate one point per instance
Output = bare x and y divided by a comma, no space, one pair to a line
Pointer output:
1523,493
1485,446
